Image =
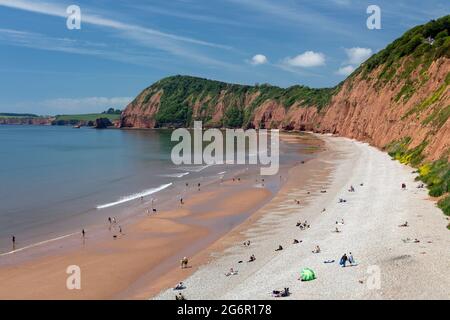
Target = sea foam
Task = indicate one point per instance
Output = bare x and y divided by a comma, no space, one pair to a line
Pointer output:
135,196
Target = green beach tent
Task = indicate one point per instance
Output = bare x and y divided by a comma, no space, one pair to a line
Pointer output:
307,274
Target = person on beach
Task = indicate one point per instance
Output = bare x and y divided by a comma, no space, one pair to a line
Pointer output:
351,189
232,272
13,238
279,248
252,258
350,259
114,221
184,263
337,230
120,230
403,186
180,296
343,260
83,233
179,286
199,186
181,201
316,250
109,220
296,241
404,225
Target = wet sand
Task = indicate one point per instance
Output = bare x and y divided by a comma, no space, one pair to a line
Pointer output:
145,258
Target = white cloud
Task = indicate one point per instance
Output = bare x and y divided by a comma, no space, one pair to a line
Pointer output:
83,105
306,60
169,42
358,55
258,59
345,71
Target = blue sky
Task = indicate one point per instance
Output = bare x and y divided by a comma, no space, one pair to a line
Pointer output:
124,46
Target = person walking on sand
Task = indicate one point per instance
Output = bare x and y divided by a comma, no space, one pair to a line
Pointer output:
350,259
13,238
181,201
120,230
343,260
184,262
83,233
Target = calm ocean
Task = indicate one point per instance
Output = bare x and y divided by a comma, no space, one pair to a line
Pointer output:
57,179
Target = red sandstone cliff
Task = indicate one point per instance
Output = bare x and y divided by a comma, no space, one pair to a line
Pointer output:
403,91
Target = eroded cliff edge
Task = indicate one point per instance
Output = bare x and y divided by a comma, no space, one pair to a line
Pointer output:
402,92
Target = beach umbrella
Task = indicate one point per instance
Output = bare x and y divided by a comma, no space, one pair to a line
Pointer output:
307,274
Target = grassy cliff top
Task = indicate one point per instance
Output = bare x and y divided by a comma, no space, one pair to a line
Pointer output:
426,43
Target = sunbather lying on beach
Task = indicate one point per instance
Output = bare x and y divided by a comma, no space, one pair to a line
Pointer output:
179,286
328,261
279,248
337,230
404,224
296,241
232,272
281,293
252,258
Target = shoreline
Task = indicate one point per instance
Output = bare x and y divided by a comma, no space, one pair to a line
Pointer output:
135,258
390,263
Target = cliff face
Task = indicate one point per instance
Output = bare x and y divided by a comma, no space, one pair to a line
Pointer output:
399,94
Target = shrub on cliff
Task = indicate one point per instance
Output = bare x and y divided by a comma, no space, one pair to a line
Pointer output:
233,117
444,204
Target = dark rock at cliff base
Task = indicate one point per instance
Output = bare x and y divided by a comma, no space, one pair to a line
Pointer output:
102,123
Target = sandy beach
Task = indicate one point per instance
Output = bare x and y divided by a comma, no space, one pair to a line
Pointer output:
391,262
141,260
212,224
